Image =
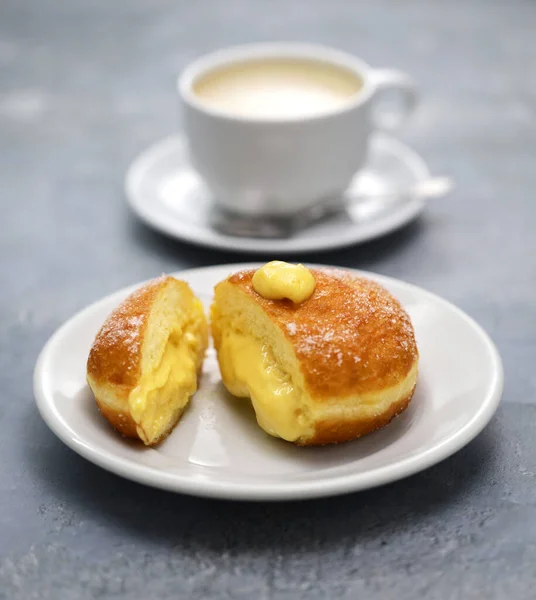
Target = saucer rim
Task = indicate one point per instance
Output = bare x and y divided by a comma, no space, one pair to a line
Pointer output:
205,236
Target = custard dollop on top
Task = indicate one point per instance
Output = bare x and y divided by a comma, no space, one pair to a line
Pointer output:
277,280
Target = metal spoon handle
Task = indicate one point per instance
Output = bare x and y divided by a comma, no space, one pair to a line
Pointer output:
284,227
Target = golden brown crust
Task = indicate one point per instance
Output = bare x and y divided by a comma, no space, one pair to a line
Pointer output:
115,357
337,431
114,366
120,421
351,337
124,424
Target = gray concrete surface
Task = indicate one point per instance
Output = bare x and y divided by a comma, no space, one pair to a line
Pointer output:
84,86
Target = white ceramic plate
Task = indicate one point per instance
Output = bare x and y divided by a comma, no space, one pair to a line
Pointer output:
165,192
218,450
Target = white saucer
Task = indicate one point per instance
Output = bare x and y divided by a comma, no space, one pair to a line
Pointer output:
165,192
218,450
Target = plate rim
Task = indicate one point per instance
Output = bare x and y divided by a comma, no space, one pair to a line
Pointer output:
216,240
280,491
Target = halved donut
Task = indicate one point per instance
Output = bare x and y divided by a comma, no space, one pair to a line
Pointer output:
144,363
330,369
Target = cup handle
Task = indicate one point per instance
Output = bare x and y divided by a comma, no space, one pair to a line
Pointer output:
395,99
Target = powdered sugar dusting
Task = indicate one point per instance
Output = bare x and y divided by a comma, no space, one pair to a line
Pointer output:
354,324
338,273
351,330
116,349
329,335
123,330
291,328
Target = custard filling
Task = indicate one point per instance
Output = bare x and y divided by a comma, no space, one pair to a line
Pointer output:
249,370
278,280
163,393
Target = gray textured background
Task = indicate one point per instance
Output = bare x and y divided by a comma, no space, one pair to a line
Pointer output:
84,86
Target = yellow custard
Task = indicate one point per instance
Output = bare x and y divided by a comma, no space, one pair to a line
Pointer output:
277,280
167,388
247,365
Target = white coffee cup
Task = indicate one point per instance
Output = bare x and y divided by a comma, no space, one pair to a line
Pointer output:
281,152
